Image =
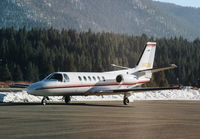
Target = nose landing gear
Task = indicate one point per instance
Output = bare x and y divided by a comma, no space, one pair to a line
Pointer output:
44,100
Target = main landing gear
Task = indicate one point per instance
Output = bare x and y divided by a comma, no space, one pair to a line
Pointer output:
125,100
67,99
44,100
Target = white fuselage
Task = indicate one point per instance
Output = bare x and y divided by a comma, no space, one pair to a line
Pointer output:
85,83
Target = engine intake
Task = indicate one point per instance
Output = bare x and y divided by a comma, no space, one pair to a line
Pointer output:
125,78
119,78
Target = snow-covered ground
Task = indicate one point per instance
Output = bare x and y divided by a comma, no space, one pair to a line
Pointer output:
184,94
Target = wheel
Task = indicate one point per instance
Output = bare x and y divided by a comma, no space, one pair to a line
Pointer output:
44,101
126,101
67,99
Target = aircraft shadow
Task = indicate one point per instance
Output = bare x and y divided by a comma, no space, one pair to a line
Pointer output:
97,105
72,104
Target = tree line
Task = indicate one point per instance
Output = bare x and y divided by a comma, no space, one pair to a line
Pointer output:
30,55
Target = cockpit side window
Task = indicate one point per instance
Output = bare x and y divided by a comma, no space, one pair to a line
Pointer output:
66,78
57,77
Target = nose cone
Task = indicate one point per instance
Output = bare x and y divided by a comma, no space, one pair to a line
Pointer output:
32,89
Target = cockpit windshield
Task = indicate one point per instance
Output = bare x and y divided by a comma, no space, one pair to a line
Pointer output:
56,76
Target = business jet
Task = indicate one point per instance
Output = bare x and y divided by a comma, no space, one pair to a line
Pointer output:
122,81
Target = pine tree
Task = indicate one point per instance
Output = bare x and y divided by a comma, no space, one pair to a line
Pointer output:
160,79
31,73
17,74
5,73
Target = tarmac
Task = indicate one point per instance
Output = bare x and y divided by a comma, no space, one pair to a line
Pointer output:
138,120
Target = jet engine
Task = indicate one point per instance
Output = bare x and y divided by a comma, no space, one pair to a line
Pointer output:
125,78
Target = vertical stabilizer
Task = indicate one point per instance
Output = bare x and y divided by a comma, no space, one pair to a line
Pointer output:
147,58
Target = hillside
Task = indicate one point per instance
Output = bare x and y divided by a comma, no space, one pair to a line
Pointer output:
133,17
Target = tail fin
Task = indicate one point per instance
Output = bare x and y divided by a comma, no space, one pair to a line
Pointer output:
147,58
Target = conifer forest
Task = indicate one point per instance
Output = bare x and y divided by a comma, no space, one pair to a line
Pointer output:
30,55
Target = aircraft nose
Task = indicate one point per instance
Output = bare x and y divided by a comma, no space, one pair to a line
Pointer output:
32,89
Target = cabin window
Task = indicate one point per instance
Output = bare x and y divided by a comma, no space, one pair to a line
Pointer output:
57,77
103,78
80,79
84,78
89,78
98,78
94,78
66,78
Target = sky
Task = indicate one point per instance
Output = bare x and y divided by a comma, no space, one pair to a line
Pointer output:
190,3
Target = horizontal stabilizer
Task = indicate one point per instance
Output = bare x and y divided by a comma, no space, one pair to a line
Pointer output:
172,66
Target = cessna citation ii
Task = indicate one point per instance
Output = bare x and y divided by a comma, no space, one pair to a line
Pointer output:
123,81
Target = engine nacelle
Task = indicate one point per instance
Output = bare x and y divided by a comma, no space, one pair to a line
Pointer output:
125,78
119,78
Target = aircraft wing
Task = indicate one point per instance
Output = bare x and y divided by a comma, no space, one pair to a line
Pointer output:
135,90
124,91
15,87
19,85
12,89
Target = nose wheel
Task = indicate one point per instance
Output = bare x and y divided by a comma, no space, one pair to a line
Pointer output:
44,100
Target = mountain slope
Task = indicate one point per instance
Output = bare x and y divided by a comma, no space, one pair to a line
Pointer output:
127,16
187,16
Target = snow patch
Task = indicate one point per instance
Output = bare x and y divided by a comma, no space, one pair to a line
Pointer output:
184,94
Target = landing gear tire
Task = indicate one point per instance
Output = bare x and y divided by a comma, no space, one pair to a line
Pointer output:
44,100
126,101
67,99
